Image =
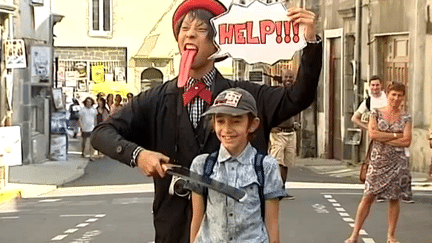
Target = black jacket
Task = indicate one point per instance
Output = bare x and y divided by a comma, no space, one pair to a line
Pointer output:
157,120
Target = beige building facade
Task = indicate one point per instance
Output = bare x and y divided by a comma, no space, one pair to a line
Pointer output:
362,38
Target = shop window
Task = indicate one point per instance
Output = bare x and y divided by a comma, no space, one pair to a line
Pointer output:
100,18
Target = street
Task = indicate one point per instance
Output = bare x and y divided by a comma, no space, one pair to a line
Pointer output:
316,215
113,203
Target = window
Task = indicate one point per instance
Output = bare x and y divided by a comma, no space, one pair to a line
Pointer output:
100,18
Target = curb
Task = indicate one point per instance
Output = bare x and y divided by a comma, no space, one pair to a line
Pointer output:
7,195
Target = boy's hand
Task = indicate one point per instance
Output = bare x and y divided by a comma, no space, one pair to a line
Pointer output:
305,17
152,163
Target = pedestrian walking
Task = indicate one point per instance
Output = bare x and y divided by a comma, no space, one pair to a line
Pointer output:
110,101
129,97
74,109
390,128
217,218
117,104
165,121
283,138
102,111
87,123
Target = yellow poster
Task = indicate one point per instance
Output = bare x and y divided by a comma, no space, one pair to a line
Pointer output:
98,74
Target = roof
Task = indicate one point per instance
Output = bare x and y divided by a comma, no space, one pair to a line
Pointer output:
160,42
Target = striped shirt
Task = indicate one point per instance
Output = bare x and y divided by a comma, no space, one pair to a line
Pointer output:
197,106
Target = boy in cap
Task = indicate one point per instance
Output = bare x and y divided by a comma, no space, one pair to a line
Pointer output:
165,122
216,217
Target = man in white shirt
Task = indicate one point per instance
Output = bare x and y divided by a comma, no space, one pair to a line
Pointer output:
376,100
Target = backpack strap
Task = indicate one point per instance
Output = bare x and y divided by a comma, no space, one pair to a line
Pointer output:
368,103
259,170
210,163
208,170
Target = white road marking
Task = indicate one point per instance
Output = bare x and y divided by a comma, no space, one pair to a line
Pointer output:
59,237
50,200
74,152
91,220
149,187
328,196
81,225
332,200
70,231
346,218
10,217
344,193
368,240
100,215
77,215
99,190
336,171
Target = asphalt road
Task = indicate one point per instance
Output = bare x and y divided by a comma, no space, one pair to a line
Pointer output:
316,215
112,203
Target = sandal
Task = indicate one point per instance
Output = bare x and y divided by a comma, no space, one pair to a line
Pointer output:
392,241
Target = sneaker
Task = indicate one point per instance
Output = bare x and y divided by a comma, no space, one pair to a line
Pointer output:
380,199
289,197
407,200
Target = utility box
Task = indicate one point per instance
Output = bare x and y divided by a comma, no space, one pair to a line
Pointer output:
353,136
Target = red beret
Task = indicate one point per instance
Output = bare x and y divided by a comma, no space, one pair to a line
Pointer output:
213,6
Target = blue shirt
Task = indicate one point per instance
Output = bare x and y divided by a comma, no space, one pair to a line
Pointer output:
226,220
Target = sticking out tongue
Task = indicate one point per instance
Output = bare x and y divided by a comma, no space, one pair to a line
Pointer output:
185,65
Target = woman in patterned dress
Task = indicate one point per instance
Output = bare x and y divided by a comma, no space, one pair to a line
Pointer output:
389,172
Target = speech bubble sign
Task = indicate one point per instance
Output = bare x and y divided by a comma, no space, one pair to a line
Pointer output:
257,33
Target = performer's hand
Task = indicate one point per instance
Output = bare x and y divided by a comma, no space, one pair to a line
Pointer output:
305,17
152,163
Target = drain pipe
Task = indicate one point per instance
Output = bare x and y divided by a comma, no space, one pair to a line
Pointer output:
356,68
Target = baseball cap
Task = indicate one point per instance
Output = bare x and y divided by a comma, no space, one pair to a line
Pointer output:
233,101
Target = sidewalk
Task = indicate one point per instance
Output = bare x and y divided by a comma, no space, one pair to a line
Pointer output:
36,179
337,168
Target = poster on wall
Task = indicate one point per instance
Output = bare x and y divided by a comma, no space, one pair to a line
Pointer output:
10,145
82,85
120,74
58,122
98,73
15,54
71,78
68,93
41,63
61,75
58,98
58,148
